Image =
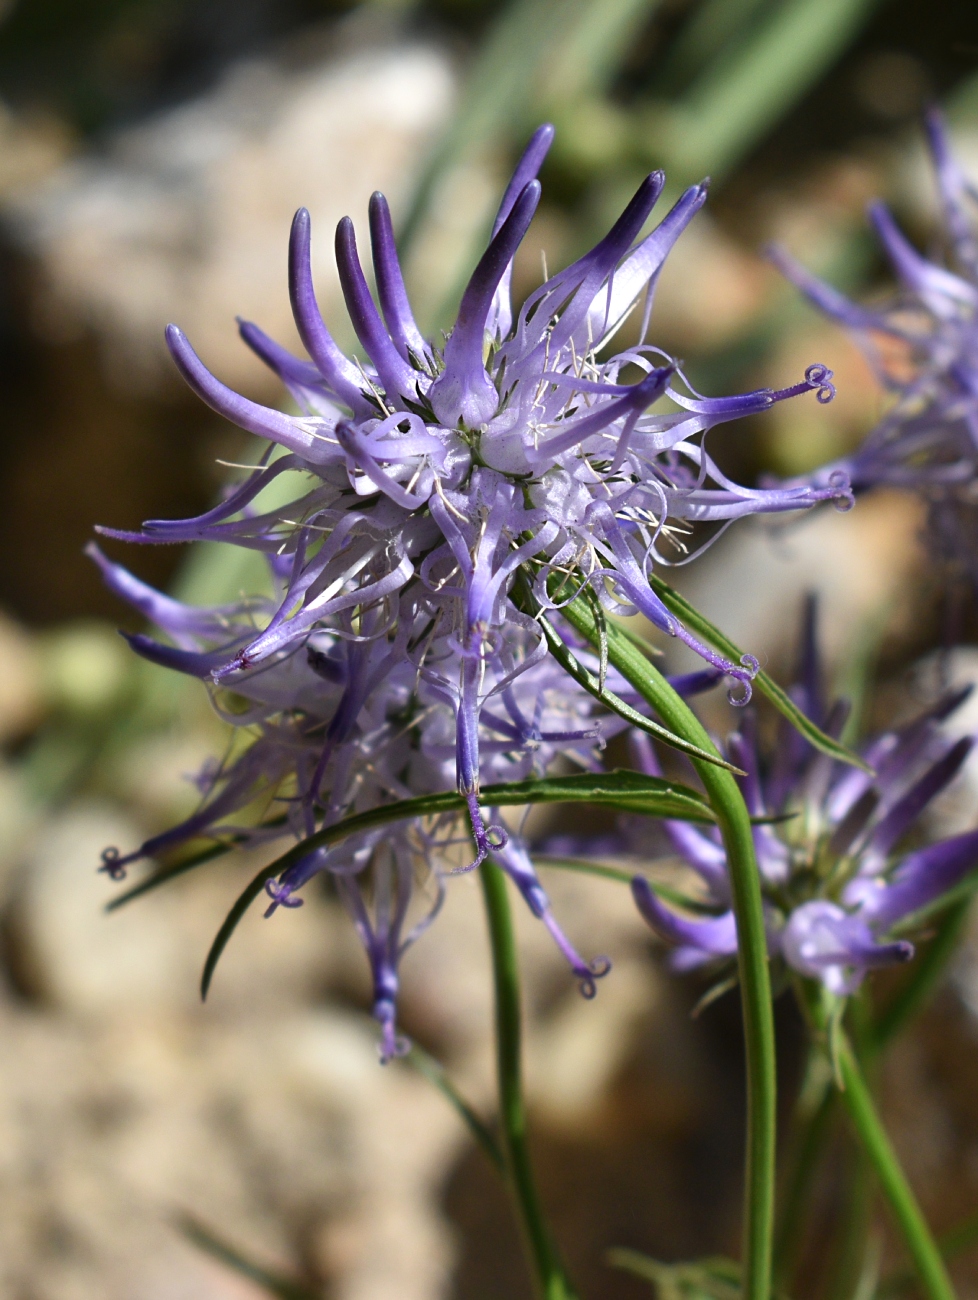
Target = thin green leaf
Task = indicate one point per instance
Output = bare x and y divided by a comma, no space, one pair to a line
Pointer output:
855,1095
585,868
601,623
951,1243
636,668
434,1072
637,640
242,903
575,669
284,1288
753,961
696,622
624,791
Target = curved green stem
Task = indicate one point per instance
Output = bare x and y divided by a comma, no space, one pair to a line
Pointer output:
913,1226
551,1281
735,826
813,1119
855,1221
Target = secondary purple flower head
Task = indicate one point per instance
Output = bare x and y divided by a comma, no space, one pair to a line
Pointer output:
923,346
438,492
836,875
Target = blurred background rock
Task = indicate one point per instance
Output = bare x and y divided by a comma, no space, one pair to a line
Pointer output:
151,155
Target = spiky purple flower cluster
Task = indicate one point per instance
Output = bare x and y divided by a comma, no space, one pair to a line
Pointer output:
923,347
393,658
834,880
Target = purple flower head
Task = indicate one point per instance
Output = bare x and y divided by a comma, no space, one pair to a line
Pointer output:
835,873
438,491
923,347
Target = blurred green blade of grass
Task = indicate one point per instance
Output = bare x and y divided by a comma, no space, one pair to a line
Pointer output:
538,52
708,32
588,53
275,1284
962,104
746,90
494,97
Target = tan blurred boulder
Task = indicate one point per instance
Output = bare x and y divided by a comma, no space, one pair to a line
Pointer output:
20,679
265,1114
267,1132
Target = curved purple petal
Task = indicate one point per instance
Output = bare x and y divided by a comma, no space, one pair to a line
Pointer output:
339,372
174,617
194,663
714,937
526,171
464,392
954,191
824,942
689,684
593,269
823,296
500,318
396,375
908,808
919,879
297,435
933,283
301,378
635,400
394,303
607,312
515,861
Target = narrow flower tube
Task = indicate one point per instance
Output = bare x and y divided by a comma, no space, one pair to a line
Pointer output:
465,393
339,373
396,375
404,332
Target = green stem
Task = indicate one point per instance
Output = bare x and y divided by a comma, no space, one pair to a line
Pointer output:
551,1282
853,1242
434,1072
951,1243
923,1249
814,1111
735,827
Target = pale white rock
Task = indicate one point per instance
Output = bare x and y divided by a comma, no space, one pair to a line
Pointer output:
267,1130
186,217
